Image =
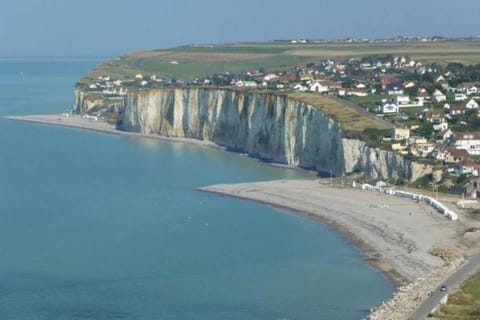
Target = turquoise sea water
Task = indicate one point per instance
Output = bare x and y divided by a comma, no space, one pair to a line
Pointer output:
97,226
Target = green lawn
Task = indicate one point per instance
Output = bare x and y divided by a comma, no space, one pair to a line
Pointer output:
464,304
371,102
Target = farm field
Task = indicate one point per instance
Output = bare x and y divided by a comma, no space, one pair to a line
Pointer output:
188,62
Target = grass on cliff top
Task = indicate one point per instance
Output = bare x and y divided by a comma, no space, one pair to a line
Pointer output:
352,120
464,304
193,61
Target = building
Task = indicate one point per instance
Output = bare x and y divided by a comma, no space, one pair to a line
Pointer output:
439,96
402,100
471,104
388,108
317,86
400,134
469,141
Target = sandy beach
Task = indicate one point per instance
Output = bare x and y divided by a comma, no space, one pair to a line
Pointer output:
397,234
76,121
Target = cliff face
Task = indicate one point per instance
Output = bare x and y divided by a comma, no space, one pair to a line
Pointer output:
86,101
266,126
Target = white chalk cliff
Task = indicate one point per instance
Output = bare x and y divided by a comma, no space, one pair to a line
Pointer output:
267,126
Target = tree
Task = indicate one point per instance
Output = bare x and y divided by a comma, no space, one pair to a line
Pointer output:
425,130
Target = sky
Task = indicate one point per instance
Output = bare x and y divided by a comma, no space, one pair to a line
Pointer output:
113,27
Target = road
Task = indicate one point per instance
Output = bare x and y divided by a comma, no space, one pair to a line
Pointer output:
453,282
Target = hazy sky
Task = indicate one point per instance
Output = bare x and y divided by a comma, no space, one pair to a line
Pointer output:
111,27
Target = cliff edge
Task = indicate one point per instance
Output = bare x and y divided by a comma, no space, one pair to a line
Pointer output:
268,126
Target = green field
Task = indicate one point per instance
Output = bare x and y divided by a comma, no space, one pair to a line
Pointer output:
189,62
464,304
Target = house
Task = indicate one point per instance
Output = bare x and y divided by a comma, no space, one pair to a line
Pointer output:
469,141
440,126
457,110
440,152
400,134
360,86
423,93
423,149
317,86
356,92
332,85
386,80
439,96
473,90
271,77
466,166
288,78
409,84
453,155
471,104
394,88
300,88
402,100
388,108
460,97
246,83
446,135
435,117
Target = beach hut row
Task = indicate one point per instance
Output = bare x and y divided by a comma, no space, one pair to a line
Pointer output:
414,196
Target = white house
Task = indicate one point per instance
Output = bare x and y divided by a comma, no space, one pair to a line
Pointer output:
356,92
438,96
472,104
402,100
316,86
299,87
389,108
446,135
472,91
460,97
440,126
400,134
242,83
469,141
271,77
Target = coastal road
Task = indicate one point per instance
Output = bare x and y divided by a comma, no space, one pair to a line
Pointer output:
452,282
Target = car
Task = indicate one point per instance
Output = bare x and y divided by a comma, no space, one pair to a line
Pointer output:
443,288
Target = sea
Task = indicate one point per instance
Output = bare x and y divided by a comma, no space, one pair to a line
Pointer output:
99,226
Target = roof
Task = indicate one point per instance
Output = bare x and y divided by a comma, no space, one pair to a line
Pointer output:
467,135
458,153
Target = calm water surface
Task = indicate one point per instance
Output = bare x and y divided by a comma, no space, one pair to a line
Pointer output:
96,226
